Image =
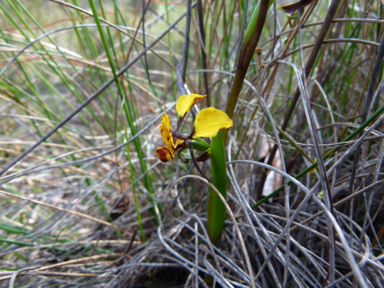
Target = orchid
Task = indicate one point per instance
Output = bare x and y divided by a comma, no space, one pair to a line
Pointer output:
208,123
167,152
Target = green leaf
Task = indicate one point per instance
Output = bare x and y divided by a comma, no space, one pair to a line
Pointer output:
216,208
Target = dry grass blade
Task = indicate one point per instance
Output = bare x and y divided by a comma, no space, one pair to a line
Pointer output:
11,195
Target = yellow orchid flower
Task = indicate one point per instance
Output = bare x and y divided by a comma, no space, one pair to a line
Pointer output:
208,123
167,152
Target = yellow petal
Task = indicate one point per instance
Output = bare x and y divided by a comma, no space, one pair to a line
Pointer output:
185,103
164,154
165,129
178,143
210,121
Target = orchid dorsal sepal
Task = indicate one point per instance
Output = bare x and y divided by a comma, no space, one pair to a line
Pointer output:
199,144
186,102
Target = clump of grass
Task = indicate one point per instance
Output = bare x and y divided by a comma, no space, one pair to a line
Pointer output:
84,199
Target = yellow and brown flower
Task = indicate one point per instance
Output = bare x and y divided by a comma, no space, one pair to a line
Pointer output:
208,123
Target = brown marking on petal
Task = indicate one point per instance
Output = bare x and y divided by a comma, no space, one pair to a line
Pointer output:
195,101
164,154
166,134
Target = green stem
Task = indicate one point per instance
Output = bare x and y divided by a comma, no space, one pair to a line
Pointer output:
216,208
251,38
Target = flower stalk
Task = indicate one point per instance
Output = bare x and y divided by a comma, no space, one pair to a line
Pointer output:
208,123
